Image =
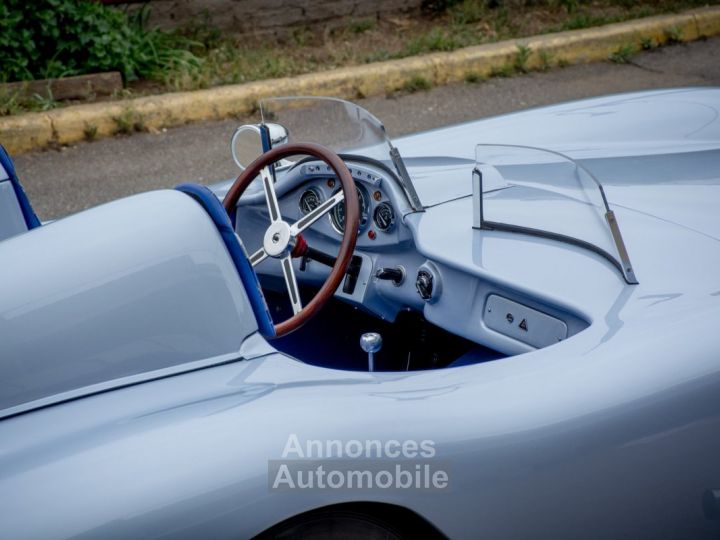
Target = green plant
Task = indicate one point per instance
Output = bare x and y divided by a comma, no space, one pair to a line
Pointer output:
436,39
378,56
467,12
90,132
623,54
54,38
360,26
40,102
647,43
674,35
129,121
505,70
416,83
569,5
303,36
521,58
10,102
473,77
546,59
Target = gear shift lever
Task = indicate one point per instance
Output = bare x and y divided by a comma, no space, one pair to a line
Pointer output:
371,343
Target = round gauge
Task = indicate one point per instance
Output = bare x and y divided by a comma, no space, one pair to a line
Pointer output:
384,216
337,216
310,200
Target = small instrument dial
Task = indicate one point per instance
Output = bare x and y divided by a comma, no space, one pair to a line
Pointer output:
337,216
384,216
310,200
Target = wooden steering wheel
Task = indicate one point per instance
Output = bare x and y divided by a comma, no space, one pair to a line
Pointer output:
281,238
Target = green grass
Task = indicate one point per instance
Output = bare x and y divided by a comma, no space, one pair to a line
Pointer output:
14,102
456,24
90,132
521,58
200,56
505,70
437,39
468,12
129,121
546,60
673,35
647,44
473,77
360,26
417,83
623,54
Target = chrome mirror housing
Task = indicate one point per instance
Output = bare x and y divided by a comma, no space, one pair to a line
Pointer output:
246,143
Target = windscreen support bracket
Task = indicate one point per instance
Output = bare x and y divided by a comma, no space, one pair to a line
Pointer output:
627,268
405,180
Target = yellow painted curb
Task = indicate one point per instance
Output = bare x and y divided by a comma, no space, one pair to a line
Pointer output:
71,124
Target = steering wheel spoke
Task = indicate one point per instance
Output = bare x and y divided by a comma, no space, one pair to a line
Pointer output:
259,256
303,223
291,284
270,196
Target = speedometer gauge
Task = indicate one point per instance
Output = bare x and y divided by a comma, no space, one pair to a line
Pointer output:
310,200
337,216
384,216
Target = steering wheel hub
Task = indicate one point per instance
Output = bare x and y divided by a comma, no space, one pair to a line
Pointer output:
276,241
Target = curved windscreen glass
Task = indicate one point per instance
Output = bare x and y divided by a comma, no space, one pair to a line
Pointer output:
550,195
337,124
340,125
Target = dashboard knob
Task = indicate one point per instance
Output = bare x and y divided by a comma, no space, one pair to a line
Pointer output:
396,275
424,284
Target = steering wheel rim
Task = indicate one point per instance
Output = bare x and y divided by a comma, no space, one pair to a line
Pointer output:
280,238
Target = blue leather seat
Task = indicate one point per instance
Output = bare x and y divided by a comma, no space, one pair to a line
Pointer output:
217,213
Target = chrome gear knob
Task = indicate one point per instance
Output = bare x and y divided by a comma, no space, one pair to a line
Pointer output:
371,343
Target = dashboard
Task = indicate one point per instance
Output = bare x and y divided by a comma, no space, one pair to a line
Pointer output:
381,206
398,262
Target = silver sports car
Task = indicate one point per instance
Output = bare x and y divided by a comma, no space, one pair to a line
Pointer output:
508,328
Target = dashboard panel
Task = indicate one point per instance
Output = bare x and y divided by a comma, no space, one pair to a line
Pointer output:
381,207
394,269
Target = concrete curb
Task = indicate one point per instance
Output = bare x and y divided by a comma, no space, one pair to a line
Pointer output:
67,125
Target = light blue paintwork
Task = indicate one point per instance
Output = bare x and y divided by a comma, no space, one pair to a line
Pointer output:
614,432
11,218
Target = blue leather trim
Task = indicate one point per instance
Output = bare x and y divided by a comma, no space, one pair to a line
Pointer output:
31,220
217,213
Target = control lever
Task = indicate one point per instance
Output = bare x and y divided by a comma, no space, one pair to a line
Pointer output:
371,343
311,254
307,253
396,275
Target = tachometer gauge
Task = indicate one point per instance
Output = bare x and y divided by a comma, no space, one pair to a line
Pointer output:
384,216
310,200
337,216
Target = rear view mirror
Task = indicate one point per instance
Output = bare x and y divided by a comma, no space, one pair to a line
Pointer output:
246,143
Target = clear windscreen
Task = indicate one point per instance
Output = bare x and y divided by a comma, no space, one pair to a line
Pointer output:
552,194
340,125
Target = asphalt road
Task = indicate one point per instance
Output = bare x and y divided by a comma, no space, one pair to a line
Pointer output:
63,181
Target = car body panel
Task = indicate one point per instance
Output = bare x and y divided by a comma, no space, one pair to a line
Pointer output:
611,433
145,284
666,139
